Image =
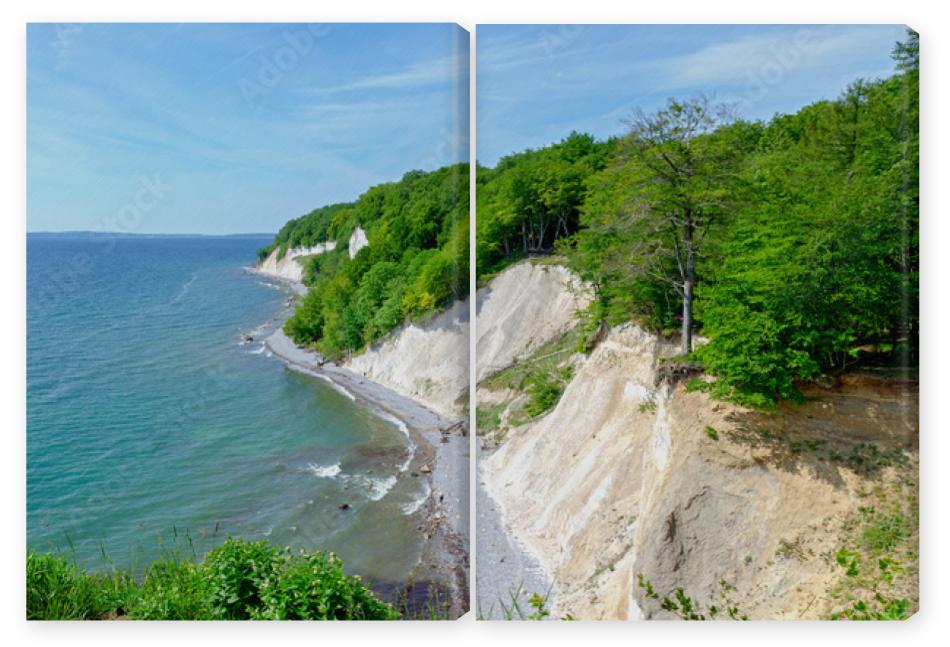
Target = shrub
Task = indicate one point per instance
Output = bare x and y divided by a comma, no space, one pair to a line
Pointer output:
314,587
543,393
237,571
172,590
238,580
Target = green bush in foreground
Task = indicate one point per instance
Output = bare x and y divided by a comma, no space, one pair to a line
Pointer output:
57,589
238,580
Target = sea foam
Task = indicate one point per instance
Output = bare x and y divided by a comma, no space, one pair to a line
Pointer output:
324,471
416,503
405,430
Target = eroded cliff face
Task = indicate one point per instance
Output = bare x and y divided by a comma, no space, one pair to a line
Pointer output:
522,309
427,362
291,266
628,476
526,306
357,242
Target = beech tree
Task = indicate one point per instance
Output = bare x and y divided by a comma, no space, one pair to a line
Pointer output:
686,167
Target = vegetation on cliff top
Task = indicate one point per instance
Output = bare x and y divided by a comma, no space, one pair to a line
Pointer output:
791,245
416,261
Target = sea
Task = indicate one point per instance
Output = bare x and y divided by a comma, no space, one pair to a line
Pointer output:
155,428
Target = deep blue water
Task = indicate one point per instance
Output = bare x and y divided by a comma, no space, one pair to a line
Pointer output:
147,416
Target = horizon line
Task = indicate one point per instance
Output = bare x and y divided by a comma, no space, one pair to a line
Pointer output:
90,232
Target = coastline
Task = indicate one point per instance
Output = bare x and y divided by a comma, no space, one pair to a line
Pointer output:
505,566
440,457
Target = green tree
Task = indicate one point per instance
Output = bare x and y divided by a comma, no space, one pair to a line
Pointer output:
686,168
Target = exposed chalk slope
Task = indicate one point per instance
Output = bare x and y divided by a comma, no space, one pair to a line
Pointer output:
622,477
427,362
290,267
522,309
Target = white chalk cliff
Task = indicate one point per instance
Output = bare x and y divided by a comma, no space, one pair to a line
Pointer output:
291,267
630,475
358,241
427,362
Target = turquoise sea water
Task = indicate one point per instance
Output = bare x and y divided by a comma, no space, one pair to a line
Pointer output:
147,415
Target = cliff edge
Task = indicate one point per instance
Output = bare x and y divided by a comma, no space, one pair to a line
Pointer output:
629,475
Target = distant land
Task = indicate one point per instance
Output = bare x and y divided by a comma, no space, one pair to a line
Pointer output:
116,234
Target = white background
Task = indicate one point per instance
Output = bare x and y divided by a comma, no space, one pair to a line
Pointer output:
924,628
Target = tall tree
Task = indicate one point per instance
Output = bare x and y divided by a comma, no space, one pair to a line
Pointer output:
688,165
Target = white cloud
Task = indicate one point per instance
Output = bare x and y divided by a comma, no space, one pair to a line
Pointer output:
767,58
436,71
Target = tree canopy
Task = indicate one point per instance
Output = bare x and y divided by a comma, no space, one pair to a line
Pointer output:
803,230
416,261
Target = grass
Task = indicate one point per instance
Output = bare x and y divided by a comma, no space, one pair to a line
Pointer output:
546,359
648,405
879,560
545,389
488,418
436,606
534,608
541,377
236,581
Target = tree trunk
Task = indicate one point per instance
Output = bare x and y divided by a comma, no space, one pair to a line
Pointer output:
688,282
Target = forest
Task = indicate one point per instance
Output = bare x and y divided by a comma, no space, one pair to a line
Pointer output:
416,261
774,252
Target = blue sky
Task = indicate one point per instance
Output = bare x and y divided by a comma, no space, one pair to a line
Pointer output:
232,128
536,83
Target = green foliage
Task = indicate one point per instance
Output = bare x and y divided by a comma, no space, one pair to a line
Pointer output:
236,581
884,531
314,587
332,222
264,252
850,561
804,228
488,418
512,608
531,199
542,377
880,608
544,390
689,608
416,261
879,561
823,261
170,590
57,589
237,571
538,603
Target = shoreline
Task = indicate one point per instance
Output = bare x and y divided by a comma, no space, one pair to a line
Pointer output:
441,449
505,565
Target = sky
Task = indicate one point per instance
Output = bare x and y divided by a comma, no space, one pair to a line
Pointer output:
232,128
537,83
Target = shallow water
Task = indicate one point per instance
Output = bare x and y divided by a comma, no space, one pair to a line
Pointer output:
147,416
